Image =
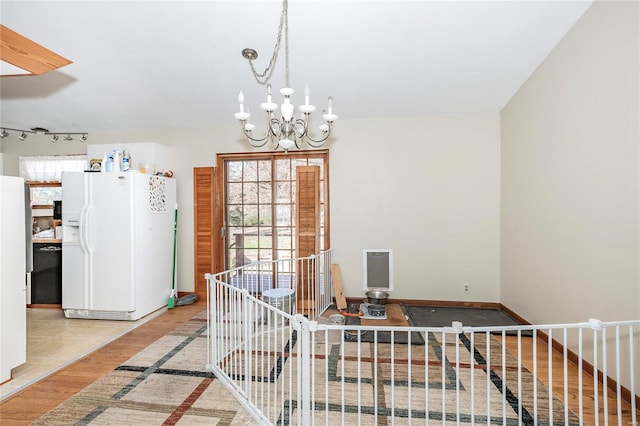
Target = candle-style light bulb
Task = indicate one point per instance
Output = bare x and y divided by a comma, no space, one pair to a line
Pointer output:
306,95
241,100
269,93
329,109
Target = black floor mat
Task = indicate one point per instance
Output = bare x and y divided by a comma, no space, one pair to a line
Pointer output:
430,316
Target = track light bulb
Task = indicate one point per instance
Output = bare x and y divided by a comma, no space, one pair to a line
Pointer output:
4,134
54,139
23,136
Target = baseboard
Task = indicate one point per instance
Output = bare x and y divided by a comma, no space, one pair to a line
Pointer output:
513,315
44,305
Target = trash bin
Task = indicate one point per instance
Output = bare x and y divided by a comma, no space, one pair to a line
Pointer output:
281,299
46,278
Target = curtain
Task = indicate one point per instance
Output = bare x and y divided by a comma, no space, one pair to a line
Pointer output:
50,168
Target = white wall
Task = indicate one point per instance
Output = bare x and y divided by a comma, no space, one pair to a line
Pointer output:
426,187
570,176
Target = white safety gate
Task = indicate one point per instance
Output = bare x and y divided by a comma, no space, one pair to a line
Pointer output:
288,368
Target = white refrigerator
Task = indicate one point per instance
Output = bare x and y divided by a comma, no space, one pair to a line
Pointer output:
117,244
13,301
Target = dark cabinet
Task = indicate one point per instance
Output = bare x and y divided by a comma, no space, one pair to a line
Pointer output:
46,278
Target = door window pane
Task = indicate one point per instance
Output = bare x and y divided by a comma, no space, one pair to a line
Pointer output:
250,215
283,169
235,193
264,171
250,171
250,193
234,171
283,193
265,214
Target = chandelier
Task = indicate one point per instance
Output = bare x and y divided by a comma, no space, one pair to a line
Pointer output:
286,131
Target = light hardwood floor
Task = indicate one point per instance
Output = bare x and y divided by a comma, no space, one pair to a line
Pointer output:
37,399
54,341
542,371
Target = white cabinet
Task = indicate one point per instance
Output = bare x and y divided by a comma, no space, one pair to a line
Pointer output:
13,303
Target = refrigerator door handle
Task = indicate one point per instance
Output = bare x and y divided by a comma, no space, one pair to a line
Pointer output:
84,237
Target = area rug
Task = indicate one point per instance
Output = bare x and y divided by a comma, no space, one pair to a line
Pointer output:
367,383
164,384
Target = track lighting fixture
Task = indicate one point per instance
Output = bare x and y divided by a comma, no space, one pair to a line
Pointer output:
35,130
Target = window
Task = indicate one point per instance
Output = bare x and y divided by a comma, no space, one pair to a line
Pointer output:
50,168
259,205
44,194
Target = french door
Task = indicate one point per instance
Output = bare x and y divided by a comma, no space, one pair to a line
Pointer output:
258,208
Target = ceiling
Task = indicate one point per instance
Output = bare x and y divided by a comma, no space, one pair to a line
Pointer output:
177,64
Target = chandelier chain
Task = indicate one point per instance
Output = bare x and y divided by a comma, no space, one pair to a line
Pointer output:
265,76
285,7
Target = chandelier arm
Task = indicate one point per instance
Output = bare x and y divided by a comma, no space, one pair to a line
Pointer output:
317,144
301,131
300,127
320,141
256,143
275,127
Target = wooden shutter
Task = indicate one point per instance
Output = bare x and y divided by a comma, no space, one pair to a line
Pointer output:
307,231
203,202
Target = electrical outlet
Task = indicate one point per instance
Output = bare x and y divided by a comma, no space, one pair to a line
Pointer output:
466,288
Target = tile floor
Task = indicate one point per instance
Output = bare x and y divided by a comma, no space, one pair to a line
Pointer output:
54,341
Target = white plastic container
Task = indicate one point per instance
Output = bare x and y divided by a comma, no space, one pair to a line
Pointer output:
117,161
281,299
103,165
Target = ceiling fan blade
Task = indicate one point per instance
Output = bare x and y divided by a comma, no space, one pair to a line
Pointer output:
28,55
